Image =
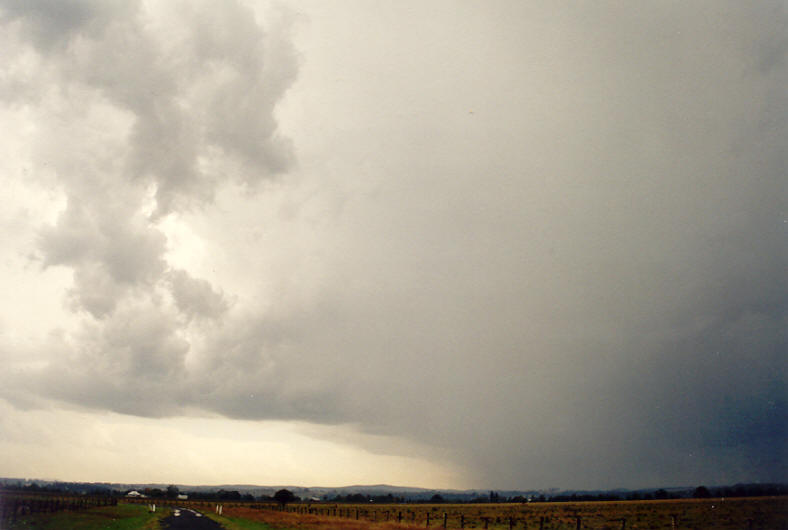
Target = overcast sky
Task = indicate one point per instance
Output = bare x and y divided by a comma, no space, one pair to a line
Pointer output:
444,244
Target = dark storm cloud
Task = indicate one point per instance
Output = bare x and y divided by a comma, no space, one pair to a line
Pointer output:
578,280
598,297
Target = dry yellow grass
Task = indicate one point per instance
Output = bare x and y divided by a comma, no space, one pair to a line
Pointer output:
767,513
291,520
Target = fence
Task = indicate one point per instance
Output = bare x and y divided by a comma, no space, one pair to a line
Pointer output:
186,503
14,505
434,517
441,519
739,514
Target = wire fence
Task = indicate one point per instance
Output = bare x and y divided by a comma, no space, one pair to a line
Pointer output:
739,514
445,519
16,505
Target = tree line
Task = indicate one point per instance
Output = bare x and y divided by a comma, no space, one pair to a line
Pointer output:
172,492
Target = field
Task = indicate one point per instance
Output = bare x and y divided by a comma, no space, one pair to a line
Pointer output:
120,517
759,513
14,504
767,513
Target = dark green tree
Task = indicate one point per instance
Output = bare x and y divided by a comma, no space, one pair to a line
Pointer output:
701,492
284,496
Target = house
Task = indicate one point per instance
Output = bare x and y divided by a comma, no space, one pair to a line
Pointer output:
182,496
135,494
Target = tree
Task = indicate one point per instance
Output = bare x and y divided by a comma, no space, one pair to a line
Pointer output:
225,495
172,491
436,499
284,496
701,492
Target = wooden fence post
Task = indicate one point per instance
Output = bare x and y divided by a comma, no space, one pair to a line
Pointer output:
462,520
428,519
623,523
541,523
577,524
445,516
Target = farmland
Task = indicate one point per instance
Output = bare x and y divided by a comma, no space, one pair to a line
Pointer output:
118,517
742,513
756,513
19,504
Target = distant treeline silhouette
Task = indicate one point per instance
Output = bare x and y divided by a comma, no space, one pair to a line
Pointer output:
171,492
701,492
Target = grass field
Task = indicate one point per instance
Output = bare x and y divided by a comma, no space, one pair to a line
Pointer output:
120,517
761,513
764,513
239,523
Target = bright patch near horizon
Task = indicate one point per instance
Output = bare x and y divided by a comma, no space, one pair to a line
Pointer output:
193,450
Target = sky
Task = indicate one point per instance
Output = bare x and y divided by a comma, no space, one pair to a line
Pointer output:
510,245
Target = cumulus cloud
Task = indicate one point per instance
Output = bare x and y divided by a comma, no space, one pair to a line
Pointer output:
127,362
557,257
196,297
132,109
140,111
199,85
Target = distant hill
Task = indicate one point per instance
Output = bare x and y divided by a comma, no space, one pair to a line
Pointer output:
377,492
